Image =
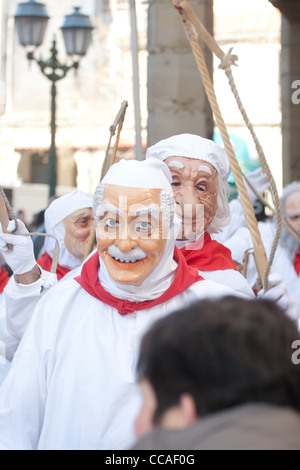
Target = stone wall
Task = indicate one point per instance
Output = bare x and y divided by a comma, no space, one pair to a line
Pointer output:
290,99
176,98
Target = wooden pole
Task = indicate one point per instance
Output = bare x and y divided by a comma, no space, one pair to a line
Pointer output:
4,218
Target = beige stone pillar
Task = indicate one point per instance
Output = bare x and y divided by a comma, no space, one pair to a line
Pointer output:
3,36
290,86
177,101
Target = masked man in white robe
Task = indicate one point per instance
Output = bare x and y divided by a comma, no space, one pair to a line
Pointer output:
72,381
69,219
286,260
200,170
214,261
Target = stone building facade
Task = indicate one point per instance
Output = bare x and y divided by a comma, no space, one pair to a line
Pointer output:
171,95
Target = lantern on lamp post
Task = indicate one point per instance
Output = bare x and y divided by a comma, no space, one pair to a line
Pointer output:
31,20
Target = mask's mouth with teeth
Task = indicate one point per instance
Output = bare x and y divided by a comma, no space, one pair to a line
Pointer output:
126,262
134,256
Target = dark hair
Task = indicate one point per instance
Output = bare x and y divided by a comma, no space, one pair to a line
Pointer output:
224,353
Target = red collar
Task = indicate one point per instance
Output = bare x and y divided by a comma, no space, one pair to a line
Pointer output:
4,278
45,262
210,256
185,276
297,262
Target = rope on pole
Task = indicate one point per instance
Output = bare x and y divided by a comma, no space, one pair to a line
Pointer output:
118,122
6,211
193,27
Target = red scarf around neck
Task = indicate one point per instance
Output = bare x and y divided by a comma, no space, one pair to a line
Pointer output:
4,278
212,256
185,276
297,262
45,262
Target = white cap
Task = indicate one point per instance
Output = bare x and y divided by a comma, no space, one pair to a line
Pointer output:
150,173
65,205
192,146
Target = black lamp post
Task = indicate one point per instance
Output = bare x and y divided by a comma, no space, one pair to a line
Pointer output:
31,20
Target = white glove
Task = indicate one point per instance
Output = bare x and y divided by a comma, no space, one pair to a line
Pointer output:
260,182
21,257
279,294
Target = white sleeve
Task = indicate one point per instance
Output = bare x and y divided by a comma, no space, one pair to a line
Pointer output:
237,220
8,343
232,279
22,397
21,300
239,243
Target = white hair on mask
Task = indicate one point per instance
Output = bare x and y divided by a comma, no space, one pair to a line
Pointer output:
223,216
287,191
167,205
98,201
287,240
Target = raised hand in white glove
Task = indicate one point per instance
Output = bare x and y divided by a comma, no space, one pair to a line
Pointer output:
260,182
21,257
279,294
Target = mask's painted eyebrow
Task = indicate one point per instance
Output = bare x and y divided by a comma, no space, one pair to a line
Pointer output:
205,168
81,215
175,164
151,210
292,214
107,207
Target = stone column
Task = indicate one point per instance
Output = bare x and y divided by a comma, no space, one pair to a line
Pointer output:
177,102
290,86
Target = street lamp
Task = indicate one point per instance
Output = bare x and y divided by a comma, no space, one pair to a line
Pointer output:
31,20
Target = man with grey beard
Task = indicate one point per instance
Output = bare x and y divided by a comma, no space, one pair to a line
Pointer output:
286,261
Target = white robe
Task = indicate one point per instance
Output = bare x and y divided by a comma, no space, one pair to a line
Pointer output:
22,299
72,381
242,241
8,343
